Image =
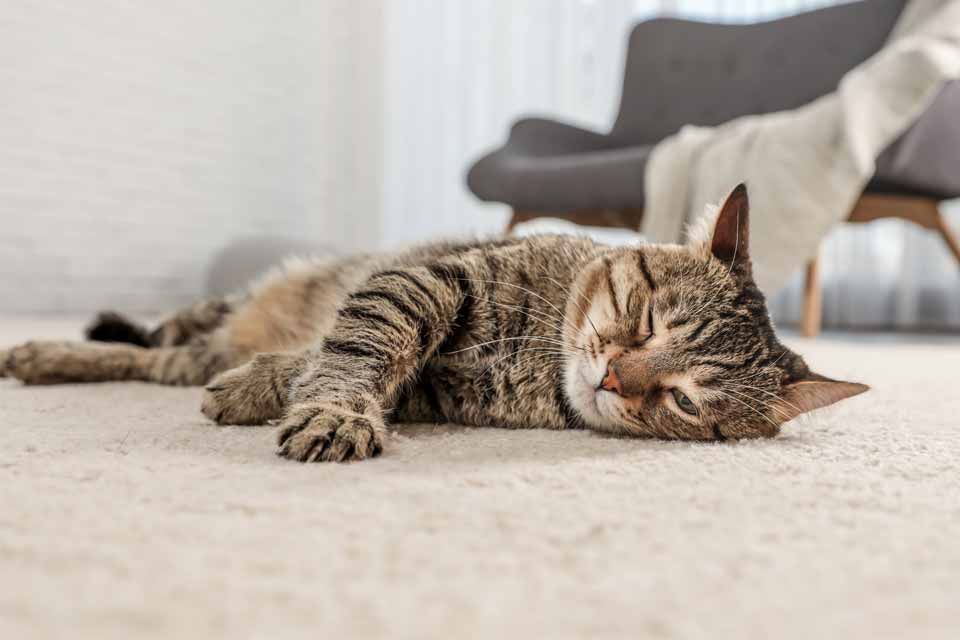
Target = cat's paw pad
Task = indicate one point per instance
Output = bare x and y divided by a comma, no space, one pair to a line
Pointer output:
250,394
314,432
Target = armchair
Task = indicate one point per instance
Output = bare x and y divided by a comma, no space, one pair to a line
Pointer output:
680,72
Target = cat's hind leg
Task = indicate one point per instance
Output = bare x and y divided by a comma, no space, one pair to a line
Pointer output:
47,362
253,393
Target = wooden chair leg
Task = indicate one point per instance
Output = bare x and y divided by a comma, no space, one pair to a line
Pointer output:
812,300
918,210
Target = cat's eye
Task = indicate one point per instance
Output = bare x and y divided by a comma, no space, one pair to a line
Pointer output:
684,402
650,317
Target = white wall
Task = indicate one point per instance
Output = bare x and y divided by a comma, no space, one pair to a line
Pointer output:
138,138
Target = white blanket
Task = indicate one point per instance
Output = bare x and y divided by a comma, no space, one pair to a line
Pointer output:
806,168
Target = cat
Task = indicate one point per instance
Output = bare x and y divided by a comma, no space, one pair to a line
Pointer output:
555,332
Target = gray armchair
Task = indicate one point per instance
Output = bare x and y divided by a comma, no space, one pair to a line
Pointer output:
681,72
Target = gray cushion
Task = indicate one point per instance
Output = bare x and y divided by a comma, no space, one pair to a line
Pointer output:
548,166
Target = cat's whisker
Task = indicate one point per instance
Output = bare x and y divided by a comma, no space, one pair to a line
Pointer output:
539,352
741,402
535,349
536,355
545,319
771,394
582,297
777,411
754,410
556,327
533,293
511,339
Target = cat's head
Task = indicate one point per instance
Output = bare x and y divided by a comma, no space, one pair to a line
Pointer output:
675,342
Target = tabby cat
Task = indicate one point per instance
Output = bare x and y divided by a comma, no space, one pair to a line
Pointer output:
551,332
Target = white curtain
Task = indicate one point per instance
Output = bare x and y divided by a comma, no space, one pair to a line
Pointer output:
458,73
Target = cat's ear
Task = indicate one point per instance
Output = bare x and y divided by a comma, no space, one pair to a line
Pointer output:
730,241
814,392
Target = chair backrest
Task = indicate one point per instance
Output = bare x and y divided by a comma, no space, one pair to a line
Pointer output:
681,72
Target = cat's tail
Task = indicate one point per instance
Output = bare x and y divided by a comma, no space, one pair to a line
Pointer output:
110,326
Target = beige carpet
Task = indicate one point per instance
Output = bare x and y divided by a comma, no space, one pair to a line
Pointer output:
123,513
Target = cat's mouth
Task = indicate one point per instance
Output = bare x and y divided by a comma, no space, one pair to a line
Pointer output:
589,395
595,395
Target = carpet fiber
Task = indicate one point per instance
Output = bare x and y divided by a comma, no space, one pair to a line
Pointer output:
124,513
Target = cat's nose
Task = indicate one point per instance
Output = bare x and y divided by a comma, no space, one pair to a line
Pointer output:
611,381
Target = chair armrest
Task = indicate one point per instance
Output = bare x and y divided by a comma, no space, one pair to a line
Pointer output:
544,137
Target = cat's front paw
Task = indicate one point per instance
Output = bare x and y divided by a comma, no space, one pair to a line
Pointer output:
313,432
250,394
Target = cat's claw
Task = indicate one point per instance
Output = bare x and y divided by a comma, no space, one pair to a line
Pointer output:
314,432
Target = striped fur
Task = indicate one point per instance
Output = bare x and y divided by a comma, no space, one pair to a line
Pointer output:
544,332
